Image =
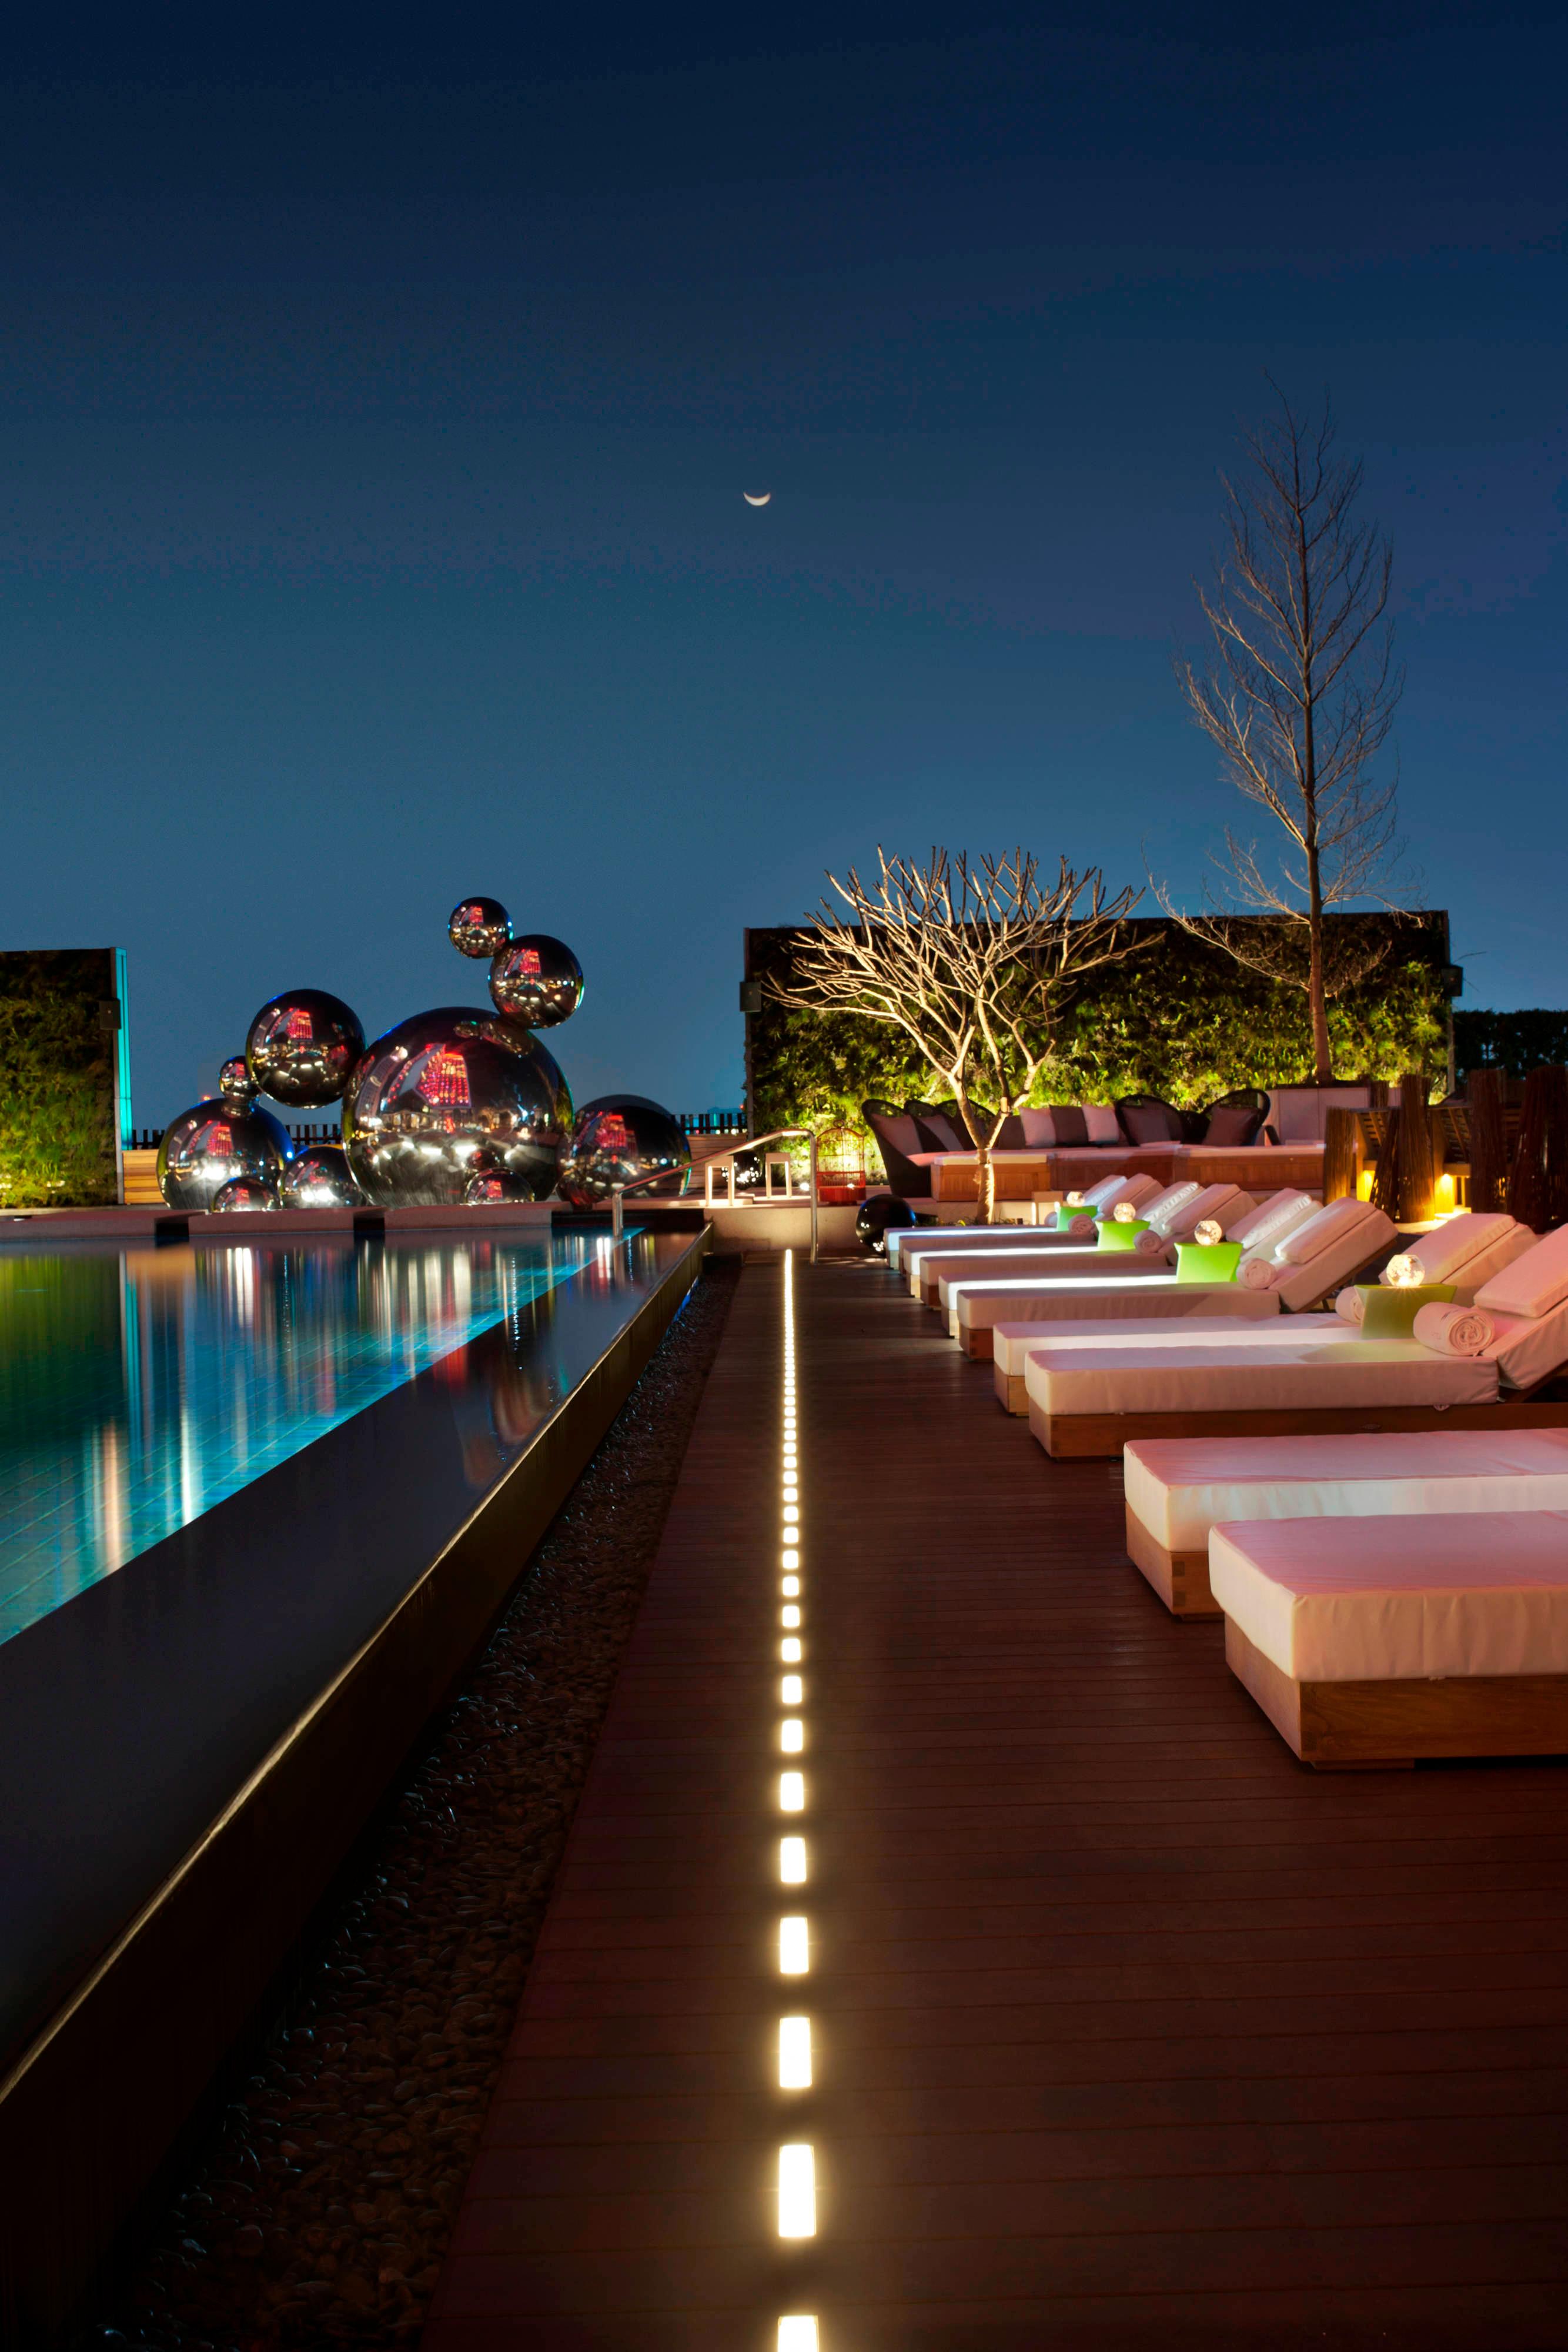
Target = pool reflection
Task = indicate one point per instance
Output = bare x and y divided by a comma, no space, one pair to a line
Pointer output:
137,1388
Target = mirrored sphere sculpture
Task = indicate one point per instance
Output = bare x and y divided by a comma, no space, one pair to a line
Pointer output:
619,1136
479,927
235,1081
441,1090
318,1177
876,1217
302,1046
211,1146
537,980
244,1192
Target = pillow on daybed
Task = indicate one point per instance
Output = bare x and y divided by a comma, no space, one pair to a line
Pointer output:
1232,1124
1441,1253
1039,1129
1148,1123
1534,1283
1321,1231
939,1134
1103,1124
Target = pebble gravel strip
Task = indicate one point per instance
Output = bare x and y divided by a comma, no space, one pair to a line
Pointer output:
319,2209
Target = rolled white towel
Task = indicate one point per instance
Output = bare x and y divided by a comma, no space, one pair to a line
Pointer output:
1084,1225
1350,1305
1454,1330
1256,1274
1152,1244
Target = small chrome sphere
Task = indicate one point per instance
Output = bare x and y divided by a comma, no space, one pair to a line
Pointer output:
441,1090
235,1081
875,1219
479,927
211,1146
490,1186
537,980
243,1193
301,1048
318,1177
618,1137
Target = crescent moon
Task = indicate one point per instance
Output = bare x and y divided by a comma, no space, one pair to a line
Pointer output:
757,499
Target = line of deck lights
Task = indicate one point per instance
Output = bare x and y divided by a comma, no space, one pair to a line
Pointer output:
797,2159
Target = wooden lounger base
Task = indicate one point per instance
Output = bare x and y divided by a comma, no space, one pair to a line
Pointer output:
1065,1435
1352,1726
1012,1394
1180,1578
978,1341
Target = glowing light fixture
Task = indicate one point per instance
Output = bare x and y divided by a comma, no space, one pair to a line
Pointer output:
797,2333
791,1792
796,2190
790,1615
792,1862
794,2054
791,1691
792,1587
790,1651
794,1947
792,1735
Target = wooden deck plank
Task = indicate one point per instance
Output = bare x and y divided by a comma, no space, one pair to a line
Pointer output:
1127,2031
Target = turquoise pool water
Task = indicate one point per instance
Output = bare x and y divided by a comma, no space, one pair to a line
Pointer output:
140,1387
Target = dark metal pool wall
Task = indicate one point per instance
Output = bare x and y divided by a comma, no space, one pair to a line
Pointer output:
92,2106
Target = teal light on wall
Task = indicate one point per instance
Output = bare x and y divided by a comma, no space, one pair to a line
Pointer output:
122,1063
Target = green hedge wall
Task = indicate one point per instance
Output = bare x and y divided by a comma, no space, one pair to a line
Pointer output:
1181,1019
59,1101
1516,1042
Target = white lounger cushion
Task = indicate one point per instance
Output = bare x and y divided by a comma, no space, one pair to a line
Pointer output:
1162,1294
1258,1379
1179,1487
1318,1257
1454,1243
1168,1205
1013,1343
1534,1283
1273,1219
1061,1264
1324,1230
1528,1348
1228,1204
1396,1599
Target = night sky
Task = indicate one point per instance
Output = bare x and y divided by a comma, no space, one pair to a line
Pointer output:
376,420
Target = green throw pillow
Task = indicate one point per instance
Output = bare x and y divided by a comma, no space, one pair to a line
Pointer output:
1207,1261
1390,1310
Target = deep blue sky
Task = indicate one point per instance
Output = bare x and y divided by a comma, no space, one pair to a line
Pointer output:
374,419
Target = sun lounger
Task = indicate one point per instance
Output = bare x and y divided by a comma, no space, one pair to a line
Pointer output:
1178,1490
1001,1243
1223,1325
1015,1297
1379,1640
1095,1402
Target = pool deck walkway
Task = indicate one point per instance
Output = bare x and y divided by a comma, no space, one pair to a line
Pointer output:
1127,2031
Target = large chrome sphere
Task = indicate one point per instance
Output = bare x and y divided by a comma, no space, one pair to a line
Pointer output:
438,1092
209,1147
244,1192
479,927
620,1137
234,1082
537,980
318,1177
302,1047
876,1217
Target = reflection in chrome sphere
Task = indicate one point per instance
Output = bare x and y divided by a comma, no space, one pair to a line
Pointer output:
537,980
234,1082
438,1092
302,1047
244,1192
209,1147
620,1137
479,927
318,1177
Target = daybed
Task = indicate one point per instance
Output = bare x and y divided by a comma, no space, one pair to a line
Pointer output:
1012,1298
1096,1401
1171,1216
1179,1489
1219,1318
1376,1641
1004,1243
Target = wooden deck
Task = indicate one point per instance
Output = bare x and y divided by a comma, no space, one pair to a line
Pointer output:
1128,2032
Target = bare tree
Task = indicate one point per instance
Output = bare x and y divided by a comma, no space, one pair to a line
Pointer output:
971,961
1299,702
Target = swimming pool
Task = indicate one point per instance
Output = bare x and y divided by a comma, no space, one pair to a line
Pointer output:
140,1387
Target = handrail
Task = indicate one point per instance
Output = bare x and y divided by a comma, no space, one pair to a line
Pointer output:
746,1143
